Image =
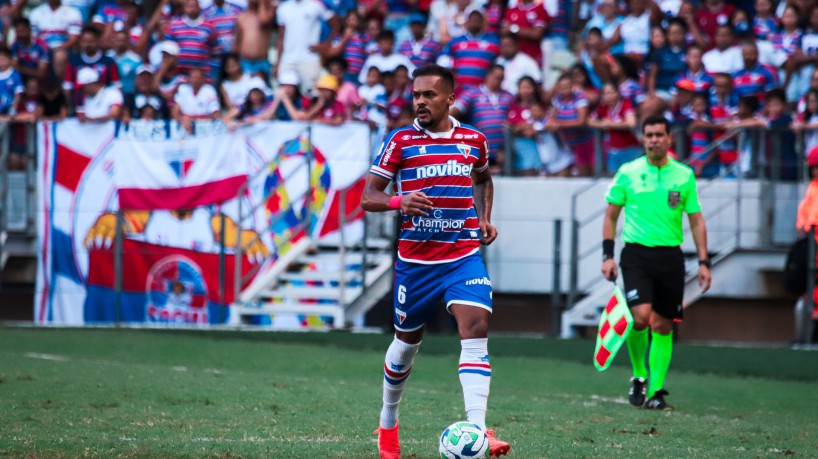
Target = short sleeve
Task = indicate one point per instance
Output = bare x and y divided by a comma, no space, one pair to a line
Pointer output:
114,97
74,22
483,161
388,160
692,204
618,190
212,100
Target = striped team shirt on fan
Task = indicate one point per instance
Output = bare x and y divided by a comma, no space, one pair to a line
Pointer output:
55,26
788,43
567,109
355,54
728,149
753,82
421,53
196,39
488,111
223,19
439,165
472,56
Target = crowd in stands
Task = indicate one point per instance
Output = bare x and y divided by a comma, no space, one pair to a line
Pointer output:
538,77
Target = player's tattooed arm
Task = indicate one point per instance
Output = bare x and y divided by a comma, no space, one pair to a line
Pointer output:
483,200
374,199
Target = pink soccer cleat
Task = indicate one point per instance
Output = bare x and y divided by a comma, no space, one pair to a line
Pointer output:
497,447
388,443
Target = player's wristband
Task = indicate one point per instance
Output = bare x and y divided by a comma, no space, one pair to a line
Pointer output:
705,262
607,249
394,202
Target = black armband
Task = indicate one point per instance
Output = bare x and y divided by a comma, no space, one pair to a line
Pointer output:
705,262
607,249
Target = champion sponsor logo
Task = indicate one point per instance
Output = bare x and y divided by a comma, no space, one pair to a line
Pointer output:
388,153
479,281
451,168
397,367
401,315
436,225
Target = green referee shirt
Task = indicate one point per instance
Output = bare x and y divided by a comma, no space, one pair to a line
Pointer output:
654,199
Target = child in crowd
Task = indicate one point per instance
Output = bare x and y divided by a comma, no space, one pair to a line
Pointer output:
806,123
617,120
325,108
704,163
557,158
373,99
570,119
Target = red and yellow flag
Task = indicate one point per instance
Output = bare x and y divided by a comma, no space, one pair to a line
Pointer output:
615,323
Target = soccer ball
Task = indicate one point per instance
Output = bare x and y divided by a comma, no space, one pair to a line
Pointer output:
463,440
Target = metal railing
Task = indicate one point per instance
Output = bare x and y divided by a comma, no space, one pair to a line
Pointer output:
750,141
774,166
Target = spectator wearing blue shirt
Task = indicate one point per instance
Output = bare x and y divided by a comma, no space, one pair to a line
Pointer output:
30,56
668,63
127,61
11,86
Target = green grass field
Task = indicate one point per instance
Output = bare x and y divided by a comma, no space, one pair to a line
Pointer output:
134,393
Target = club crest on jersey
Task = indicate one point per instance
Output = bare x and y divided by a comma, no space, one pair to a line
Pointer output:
465,150
674,198
401,315
422,149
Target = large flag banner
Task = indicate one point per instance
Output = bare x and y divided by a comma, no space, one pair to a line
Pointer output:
615,323
179,197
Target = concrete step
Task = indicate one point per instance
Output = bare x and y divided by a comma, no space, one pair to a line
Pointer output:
321,276
291,293
371,244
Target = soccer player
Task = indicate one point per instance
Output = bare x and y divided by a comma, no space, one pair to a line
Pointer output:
444,193
654,190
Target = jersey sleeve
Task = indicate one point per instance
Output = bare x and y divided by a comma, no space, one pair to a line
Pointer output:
387,162
463,102
483,161
618,189
692,204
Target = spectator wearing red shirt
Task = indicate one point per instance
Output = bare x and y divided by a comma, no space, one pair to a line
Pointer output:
711,14
616,117
326,108
528,21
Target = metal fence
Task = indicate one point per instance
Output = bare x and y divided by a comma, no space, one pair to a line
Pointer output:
776,153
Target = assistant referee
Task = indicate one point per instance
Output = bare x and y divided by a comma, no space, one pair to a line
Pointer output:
654,190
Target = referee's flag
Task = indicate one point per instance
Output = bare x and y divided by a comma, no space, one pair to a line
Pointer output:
615,323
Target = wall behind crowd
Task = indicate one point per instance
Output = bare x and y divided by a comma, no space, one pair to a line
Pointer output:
540,78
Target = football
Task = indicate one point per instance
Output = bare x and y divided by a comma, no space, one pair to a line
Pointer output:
463,440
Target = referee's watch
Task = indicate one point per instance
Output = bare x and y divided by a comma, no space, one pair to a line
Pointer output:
705,262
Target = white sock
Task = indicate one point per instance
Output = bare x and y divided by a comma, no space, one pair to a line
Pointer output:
475,377
396,369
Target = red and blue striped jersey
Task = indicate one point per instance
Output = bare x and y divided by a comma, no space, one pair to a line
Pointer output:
223,20
421,53
567,109
632,90
439,165
702,81
472,56
789,43
196,42
109,14
488,111
728,150
30,56
753,82
355,54
764,28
